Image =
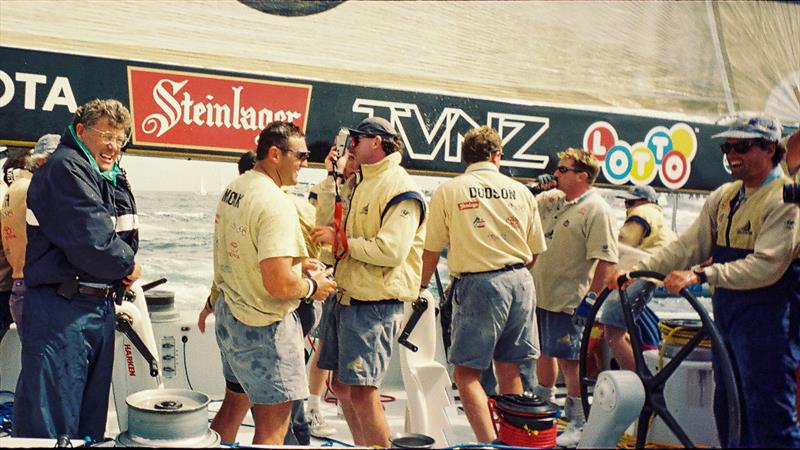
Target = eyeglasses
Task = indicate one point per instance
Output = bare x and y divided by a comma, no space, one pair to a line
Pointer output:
565,169
108,137
740,147
301,155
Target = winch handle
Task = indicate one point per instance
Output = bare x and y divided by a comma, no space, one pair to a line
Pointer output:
152,284
124,324
419,307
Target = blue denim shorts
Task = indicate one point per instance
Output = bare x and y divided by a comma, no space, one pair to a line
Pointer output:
358,341
639,293
493,319
268,362
560,338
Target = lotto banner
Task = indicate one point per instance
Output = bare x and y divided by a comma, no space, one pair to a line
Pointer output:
205,114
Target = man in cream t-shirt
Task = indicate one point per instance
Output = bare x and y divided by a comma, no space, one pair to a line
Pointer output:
262,271
582,249
492,226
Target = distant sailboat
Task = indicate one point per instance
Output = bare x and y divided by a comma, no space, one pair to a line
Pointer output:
203,190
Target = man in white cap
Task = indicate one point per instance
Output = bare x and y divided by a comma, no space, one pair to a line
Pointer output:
12,220
644,229
751,236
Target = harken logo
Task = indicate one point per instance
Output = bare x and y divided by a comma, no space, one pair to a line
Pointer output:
129,360
194,110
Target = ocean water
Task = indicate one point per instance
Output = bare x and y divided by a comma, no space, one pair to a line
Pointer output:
176,236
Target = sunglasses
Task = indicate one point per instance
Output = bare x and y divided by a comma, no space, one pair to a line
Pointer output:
739,147
356,138
302,156
565,169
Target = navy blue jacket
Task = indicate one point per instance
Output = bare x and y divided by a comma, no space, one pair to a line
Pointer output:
74,205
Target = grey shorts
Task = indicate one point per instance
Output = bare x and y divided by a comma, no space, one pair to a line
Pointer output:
560,338
493,319
268,362
639,293
359,339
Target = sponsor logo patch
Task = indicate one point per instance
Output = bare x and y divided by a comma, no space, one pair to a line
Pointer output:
474,204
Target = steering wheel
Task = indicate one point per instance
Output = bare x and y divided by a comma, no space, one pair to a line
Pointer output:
654,384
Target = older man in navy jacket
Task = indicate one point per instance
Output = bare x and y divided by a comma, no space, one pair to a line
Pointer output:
75,263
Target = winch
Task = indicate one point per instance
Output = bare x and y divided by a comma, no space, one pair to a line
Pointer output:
523,421
168,418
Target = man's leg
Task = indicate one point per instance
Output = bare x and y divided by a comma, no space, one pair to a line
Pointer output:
372,420
571,370
230,415
508,377
619,341
316,388
546,371
474,401
272,422
350,416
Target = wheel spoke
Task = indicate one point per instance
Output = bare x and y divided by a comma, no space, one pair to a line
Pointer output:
643,426
673,425
663,375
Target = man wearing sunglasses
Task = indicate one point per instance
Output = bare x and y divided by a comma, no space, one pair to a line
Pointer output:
491,226
581,250
75,261
751,236
262,271
379,270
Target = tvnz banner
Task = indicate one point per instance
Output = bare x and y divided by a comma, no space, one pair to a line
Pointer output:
217,115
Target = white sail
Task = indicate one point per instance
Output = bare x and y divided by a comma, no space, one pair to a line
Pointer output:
694,58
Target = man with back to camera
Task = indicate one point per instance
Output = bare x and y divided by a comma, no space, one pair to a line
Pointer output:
751,236
385,232
74,263
14,228
581,250
492,226
644,229
259,261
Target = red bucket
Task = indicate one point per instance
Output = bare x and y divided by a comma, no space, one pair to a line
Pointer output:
522,421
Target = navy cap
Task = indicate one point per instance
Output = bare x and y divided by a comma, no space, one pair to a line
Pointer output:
753,127
374,126
640,193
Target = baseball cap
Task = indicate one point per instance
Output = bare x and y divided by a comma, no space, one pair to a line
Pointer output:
374,126
753,127
640,193
46,144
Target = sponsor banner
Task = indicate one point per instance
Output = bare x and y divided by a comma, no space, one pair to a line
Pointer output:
208,114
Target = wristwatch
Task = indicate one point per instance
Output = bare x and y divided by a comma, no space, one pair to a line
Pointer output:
701,273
